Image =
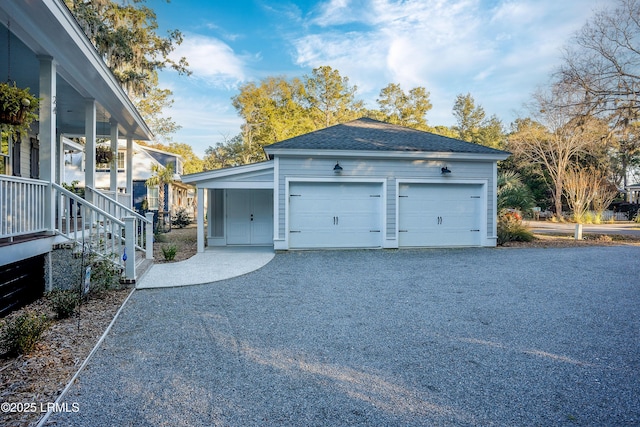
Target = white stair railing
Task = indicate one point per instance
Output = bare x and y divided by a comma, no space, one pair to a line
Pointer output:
82,222
142,226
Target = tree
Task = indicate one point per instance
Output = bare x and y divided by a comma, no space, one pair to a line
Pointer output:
272,110
160,177
331,100
152,106
513,193
578,191
557,136
404,109
603,62
604,59
125,34
473,126
232,152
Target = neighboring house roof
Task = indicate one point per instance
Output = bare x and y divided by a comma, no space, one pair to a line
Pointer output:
371,135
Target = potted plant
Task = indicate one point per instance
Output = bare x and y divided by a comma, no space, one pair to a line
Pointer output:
103,154
17,108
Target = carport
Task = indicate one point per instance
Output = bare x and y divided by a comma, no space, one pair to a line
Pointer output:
238,204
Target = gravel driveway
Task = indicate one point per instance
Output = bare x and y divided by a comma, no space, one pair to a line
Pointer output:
427,337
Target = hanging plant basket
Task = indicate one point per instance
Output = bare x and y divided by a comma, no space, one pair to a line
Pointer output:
17,108
12,118
103,155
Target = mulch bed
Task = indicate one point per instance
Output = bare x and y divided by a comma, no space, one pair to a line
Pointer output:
39,377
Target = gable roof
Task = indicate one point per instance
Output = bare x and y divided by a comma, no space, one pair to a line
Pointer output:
372,135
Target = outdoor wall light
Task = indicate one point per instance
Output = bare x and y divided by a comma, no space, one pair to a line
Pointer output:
445,170
337,168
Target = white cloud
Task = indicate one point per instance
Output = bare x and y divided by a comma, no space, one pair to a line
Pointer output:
447,46
212,60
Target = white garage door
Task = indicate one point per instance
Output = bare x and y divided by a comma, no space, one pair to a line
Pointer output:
335,215
440,215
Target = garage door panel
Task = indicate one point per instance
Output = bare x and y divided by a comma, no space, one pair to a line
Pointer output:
439,215
335,215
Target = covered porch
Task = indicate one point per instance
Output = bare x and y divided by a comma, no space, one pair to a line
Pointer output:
78,98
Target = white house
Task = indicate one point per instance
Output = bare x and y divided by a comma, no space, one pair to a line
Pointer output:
177,194
362,184
47,51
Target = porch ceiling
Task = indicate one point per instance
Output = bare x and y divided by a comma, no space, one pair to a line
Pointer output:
46,28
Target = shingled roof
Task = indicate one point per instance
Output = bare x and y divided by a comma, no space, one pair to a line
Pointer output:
372,135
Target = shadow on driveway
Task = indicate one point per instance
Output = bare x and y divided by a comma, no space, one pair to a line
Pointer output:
421,337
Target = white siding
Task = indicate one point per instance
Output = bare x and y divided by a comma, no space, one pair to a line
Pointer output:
391,170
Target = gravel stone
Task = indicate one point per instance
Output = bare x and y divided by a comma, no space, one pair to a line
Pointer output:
447,337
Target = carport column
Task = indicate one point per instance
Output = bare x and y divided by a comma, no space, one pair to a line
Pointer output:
149,235
47,132
200,230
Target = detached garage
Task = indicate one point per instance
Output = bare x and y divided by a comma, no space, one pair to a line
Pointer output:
362,184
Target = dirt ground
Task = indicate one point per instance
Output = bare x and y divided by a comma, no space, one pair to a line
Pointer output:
42,375
184,240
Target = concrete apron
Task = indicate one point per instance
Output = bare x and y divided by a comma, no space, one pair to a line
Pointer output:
214,264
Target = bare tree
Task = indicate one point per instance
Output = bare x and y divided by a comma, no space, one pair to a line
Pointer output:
557,134
604,59
578,191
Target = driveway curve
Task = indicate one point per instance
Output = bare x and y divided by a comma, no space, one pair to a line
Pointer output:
460,337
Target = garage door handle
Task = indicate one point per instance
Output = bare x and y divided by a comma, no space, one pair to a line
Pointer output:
336,220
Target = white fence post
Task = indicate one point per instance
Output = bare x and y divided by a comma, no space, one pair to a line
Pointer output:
130,249
149,235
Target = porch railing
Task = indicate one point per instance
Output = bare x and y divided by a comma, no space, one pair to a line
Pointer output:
101,232
21,202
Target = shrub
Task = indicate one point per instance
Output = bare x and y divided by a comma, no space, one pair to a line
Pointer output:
181,219
21,333
63,302
511,229
105,275
169,252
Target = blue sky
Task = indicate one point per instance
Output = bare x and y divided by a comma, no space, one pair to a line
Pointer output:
497,50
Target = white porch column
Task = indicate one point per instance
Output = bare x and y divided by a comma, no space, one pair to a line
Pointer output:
90,147
114,165
129,169
60,161
200,229
48,142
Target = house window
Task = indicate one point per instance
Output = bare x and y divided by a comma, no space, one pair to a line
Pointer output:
35,158
4,153
121,159
15,157
152,197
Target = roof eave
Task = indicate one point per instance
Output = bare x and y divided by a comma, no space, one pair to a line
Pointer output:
225,172
497,156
